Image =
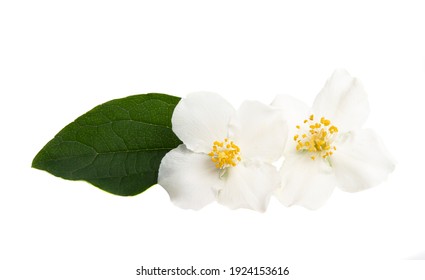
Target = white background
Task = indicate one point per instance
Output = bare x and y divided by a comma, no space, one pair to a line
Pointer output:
59,59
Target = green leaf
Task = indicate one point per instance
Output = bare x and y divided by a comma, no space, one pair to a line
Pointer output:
116,146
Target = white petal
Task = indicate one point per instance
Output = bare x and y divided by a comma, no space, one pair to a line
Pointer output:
188,177
305,182
343,101
260,132
249,186
200,119
361,161
294,110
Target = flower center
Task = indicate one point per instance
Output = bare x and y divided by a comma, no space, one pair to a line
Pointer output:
225,154
316,137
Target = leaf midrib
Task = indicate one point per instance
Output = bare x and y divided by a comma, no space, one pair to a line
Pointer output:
77,122
115,152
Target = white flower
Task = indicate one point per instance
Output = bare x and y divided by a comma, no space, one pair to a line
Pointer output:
327,147
226,155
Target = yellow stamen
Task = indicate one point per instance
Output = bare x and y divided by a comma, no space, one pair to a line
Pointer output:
225,154
325,122
317,139
333,129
